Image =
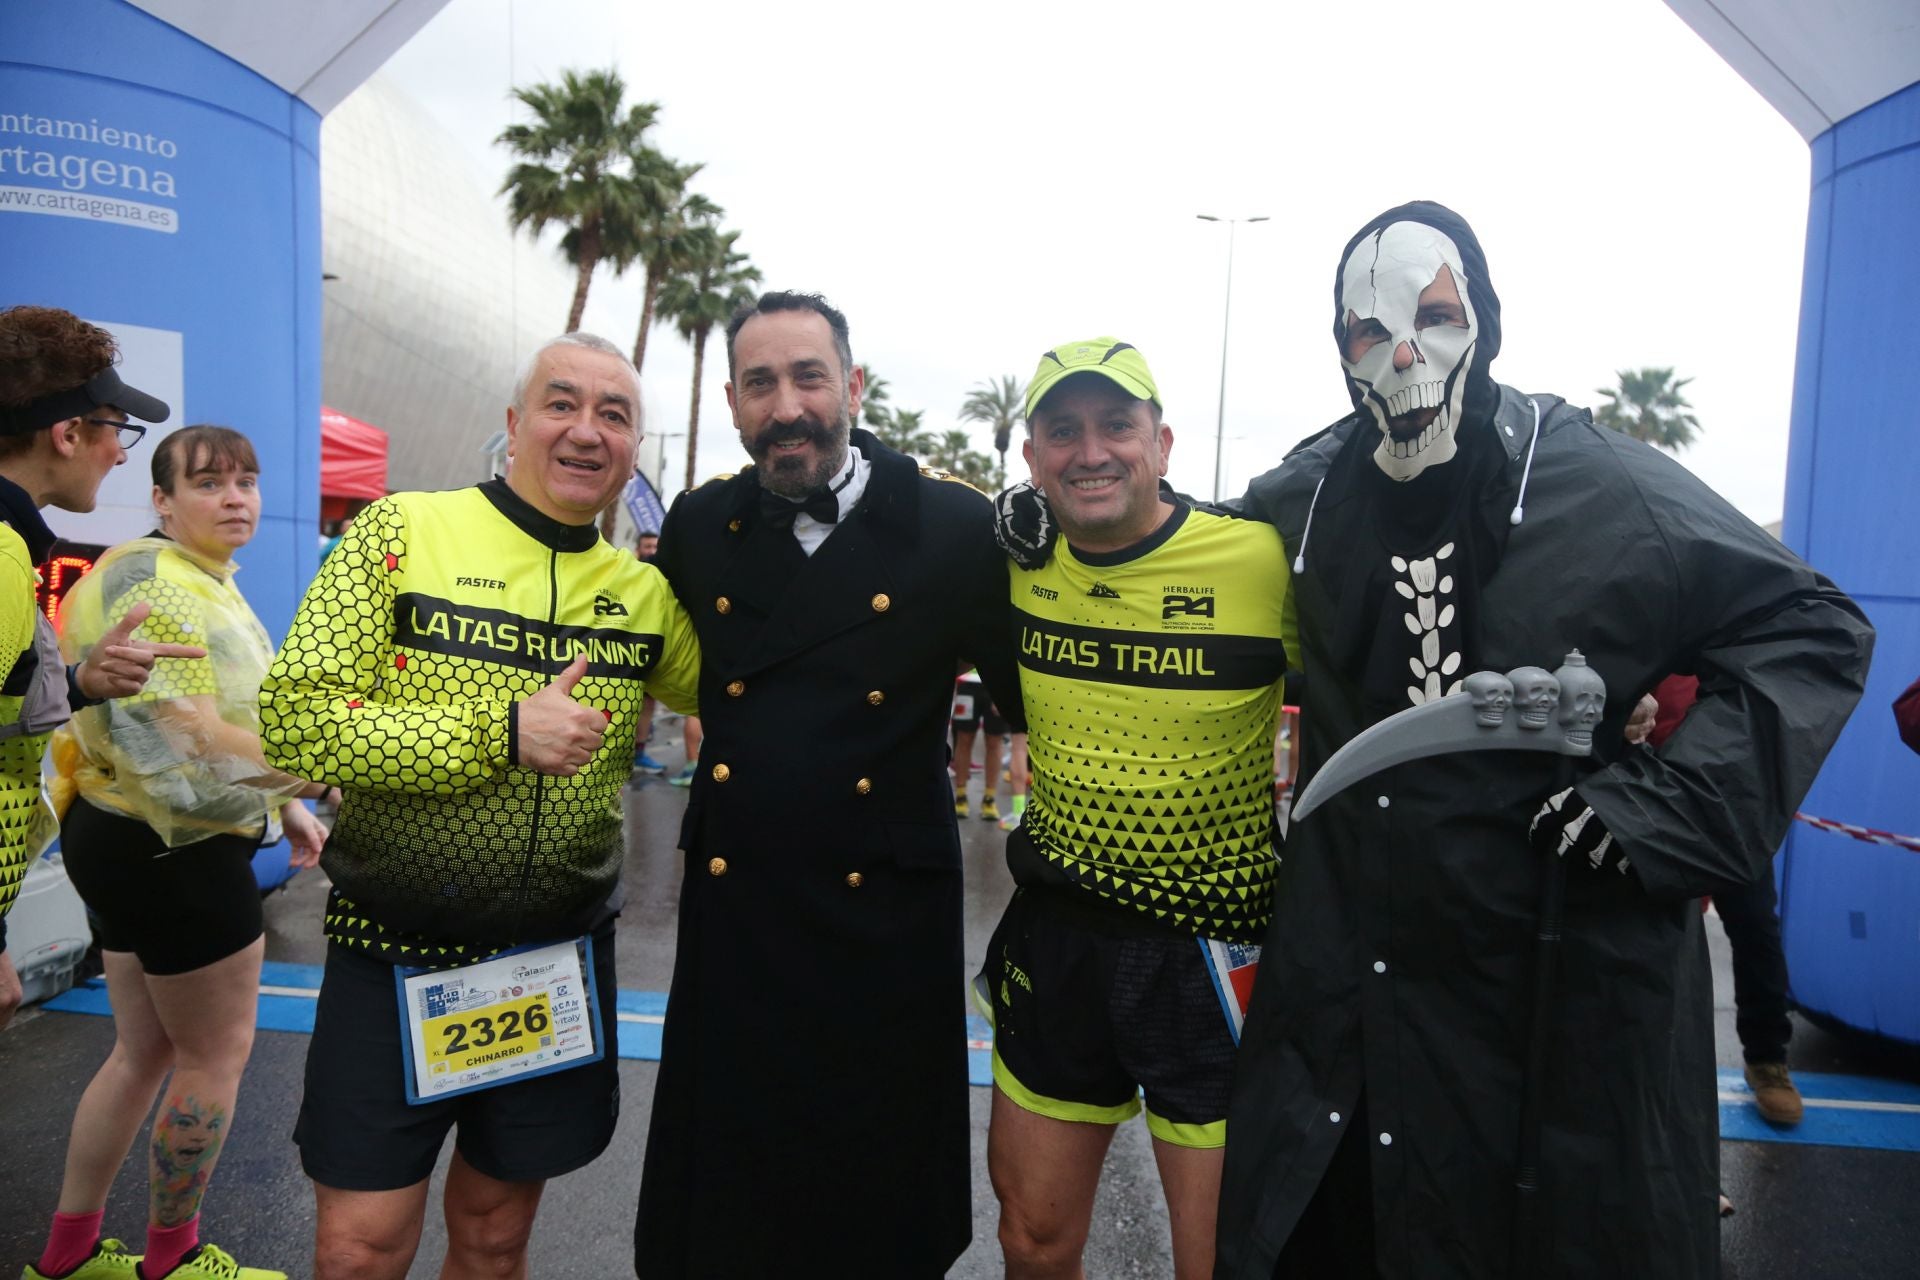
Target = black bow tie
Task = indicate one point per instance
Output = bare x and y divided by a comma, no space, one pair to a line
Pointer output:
822,504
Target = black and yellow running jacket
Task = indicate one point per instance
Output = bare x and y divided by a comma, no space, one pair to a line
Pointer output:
437,613
34,688
19,752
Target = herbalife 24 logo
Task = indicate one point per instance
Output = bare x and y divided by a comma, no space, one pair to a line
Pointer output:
1186,608
1176,605
605,606
1101,591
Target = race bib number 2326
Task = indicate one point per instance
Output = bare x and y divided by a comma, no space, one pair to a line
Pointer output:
509,1017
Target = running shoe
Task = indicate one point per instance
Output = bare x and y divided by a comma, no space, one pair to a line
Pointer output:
990,808
210,1262
110,1261
1015,814
684,778
647,764
960,807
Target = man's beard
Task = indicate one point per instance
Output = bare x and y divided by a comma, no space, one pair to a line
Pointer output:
789,475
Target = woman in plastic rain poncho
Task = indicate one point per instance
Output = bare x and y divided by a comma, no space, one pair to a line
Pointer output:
164,799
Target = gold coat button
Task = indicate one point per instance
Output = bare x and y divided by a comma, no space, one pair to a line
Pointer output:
716,866
882,603
855,879
733,526
736,687
723,604
721,773
875,698
863,786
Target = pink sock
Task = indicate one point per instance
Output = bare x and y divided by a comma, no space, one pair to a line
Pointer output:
167,1245
70,1242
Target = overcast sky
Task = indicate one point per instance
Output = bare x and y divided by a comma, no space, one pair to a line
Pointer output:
975,184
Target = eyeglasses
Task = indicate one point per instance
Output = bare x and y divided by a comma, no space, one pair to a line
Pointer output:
127,433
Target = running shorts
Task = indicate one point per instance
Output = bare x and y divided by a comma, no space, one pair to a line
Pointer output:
974,710
176,910
356,1131
1092,1008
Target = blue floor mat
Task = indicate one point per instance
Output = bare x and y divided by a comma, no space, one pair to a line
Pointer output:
1842,1111
287,993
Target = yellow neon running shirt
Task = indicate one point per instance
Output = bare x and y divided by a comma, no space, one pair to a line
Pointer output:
436,613
1152,681
19,753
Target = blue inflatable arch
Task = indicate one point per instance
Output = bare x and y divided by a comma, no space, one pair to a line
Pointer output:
1849,80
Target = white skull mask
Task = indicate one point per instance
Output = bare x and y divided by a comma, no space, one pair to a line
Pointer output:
1403,293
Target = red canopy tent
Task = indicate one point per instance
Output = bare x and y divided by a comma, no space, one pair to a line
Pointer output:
353,464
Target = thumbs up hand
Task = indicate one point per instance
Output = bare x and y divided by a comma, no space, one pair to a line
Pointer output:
119,665
557,736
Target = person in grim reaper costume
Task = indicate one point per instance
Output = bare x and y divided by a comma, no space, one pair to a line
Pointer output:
1452,525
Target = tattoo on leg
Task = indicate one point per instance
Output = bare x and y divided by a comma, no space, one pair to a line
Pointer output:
186,1143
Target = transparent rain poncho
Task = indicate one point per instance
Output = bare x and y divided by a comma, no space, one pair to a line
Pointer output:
183,755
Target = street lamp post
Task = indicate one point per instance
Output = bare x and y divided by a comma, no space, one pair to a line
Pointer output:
1226,321
659,478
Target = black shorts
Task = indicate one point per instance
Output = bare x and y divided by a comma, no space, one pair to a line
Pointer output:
176,910
973,710
357,1133
1090,1009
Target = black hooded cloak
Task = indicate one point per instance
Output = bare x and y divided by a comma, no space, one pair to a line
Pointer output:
1397,974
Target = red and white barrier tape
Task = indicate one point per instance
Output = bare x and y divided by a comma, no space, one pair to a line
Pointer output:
1910,843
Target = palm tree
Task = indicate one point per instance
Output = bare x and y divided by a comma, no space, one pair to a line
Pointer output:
953,452
664,234
874,410
998,405
901,429
715,283
898,429
1647,405
576,166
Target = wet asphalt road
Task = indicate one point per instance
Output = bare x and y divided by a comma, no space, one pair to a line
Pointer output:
260,1208
1804,1212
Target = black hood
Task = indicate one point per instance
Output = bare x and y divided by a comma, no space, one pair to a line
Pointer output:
1481,396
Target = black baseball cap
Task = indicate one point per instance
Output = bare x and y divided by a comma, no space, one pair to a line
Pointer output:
101,390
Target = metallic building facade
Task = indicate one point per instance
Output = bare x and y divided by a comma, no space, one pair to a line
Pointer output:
434,304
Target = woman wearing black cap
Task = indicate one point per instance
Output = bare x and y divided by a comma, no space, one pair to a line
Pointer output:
63,427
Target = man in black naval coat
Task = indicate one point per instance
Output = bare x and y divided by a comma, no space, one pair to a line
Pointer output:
811,1115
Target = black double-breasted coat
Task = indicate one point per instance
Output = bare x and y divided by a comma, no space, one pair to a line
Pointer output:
1399,961
811,1115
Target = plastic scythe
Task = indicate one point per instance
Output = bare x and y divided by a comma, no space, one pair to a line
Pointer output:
1526,709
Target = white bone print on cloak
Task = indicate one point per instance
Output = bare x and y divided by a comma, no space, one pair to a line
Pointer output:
1432,622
